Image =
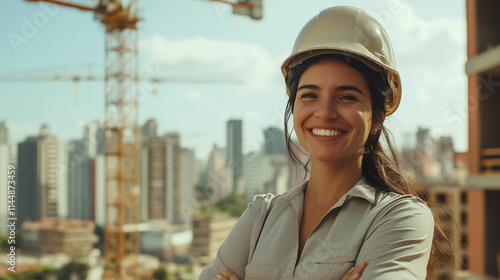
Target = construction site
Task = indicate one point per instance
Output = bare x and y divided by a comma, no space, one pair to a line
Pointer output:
139,131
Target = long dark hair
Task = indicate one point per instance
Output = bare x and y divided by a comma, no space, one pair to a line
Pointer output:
380,170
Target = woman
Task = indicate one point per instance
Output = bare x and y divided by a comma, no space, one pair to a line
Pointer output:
356,216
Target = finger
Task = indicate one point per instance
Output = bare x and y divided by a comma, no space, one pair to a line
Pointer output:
229,274
355,272
360,268
219,277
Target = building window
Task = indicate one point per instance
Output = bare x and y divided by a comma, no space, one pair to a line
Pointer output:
463,197
441,198
464,240
465,260
463,218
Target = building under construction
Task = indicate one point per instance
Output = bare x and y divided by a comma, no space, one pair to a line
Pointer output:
483,196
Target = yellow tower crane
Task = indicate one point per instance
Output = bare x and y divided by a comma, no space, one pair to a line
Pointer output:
122,144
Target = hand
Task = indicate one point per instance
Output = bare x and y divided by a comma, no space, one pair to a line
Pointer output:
355,272
226,274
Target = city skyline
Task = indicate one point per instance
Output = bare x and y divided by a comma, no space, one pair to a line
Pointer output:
190,39
260,142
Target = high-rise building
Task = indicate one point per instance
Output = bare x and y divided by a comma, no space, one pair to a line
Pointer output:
446,157
52,236
265,173
256,172
4,133
219,176
5,160
429,157
81,170
234,154
79,192
98,187
483,197
160,175
38,176
274,141
189,178
209,231
454,221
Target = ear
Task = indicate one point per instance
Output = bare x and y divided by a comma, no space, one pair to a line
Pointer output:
377,125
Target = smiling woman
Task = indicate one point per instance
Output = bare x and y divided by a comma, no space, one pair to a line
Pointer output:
357,216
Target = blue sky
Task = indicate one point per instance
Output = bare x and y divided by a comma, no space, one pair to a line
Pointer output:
200,39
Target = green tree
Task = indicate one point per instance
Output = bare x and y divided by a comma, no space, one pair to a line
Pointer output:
45,273
99,231
161,273
203,192
73,267
4,241
233,203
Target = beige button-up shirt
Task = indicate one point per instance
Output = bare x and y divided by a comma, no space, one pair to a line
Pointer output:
392,233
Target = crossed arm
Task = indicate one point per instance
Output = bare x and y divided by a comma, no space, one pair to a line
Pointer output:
353,274
396,246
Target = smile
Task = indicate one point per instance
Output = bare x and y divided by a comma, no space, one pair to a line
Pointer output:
327,132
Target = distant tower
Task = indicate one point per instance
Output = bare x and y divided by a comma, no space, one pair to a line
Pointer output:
160,175
84,162
274,141
447,157
4,133
149,129
219,176
189,177
5,160
38,176
234,156
426,154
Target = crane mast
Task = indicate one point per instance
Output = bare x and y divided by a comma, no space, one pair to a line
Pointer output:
122,148
121,141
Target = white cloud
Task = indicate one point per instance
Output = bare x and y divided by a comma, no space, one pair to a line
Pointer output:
254,115
194,95
197,97
431,54
228,59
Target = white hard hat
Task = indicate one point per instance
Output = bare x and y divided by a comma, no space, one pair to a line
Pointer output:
351,32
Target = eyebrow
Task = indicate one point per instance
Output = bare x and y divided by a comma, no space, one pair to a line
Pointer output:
340,88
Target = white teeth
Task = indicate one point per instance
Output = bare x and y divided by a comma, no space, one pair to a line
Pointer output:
326,132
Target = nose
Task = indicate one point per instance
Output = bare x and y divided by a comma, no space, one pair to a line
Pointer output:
327,109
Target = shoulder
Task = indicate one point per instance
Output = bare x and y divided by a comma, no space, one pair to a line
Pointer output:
404,209
392,201
261,202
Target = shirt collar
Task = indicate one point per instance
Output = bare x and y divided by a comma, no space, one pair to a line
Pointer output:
362,189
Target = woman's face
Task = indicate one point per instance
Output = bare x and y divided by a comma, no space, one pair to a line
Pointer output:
332,115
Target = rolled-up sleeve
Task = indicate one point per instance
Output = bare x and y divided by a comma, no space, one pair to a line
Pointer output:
398,243
234,252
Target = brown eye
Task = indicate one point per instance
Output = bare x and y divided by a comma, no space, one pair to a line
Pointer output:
308,95
349,98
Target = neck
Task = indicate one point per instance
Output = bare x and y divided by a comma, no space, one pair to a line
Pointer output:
331,180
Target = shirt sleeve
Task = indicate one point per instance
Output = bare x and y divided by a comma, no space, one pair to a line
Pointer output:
235,250
398,244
